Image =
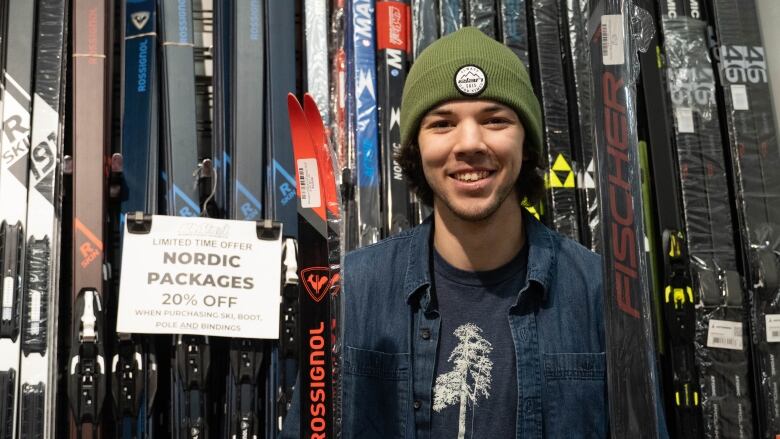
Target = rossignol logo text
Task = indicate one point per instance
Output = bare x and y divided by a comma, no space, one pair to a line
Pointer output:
254,20
317,375
143,66
470,80
184,30
623,231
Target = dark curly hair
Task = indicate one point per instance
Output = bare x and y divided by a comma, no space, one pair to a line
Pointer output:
530,183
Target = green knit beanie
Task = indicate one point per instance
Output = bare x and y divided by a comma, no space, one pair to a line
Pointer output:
468,64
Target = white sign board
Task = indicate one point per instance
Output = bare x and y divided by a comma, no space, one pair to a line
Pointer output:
200,276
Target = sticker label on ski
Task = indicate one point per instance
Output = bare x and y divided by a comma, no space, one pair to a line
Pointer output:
773,328
470,80
200,276
612,40
725,335
309,184
684,118
739,97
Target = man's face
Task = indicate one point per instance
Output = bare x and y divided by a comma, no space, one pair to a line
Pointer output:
472,153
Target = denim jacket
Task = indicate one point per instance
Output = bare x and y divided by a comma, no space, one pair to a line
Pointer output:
391,333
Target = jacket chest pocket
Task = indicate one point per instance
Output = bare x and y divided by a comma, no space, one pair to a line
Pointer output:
376,394
575,395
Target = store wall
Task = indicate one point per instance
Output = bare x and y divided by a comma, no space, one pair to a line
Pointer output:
769,16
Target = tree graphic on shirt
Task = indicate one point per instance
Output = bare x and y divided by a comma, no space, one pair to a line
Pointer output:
470,376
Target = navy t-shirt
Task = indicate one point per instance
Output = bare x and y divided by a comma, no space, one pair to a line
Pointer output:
475,386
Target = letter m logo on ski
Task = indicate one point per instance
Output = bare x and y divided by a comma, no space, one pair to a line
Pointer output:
318,282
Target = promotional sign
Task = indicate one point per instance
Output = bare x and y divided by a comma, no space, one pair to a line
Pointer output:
200,276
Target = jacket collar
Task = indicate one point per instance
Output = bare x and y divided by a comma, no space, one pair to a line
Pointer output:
542,257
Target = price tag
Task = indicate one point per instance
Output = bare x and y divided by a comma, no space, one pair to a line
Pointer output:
200,276
773,328
725,335
684,118
309,183
612,53
739,97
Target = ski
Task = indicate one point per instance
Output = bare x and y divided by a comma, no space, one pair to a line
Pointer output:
561,201
327,171
317,69
675,287
451,16
244,36
425,26
315,273
514,28
362,80
581,117
190,362
722,364
482,15
631,378
87,360
14,152
134,368
393,45
39,370
281,70
747,122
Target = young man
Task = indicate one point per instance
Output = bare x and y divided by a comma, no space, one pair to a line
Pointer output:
480,322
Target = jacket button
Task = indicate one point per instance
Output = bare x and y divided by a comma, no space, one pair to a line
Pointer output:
417,404
425,333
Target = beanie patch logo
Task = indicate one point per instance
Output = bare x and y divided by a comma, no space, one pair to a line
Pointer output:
470,80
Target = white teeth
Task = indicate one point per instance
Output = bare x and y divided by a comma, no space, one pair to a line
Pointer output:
471,176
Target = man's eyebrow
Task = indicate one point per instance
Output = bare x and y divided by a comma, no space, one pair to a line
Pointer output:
440,112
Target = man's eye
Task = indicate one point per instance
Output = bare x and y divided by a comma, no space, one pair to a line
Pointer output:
497,121
440,124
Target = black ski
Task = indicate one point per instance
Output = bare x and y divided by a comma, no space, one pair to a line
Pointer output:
134,367
631,376
243,87
561,204
393,46
190,363
482,15
748,124
425,29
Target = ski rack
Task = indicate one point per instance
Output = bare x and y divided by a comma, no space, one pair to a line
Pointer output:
747,121
562,209
632,380
393,51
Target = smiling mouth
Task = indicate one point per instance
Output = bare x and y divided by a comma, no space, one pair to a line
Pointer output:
471,176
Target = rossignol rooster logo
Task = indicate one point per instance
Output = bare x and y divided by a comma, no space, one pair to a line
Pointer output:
470,80
318,282
140,19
